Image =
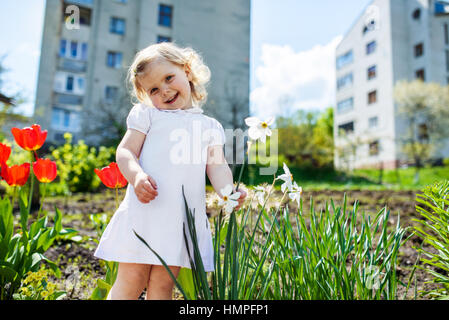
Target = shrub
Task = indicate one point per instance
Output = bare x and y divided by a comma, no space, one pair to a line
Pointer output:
433,228
76,164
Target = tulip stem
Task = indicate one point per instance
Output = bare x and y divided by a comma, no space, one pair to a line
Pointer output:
42,202
14,196
30,196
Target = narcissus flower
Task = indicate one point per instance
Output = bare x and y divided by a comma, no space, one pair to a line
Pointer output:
287,177
259,129
5,152
296,193
16,175
111,176
228,200
45,170
30,138
260,194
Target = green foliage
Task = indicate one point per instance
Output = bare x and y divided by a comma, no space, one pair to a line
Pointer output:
101,291
433,229
306,139
335,254
338,254
37,287
23,251
76,164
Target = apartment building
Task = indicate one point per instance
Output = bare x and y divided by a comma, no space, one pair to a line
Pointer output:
85,66
392,40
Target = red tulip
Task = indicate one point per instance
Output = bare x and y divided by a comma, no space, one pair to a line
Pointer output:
45,170
30,138
111,176
5,151
16,175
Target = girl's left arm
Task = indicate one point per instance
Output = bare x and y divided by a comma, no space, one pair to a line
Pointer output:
219,173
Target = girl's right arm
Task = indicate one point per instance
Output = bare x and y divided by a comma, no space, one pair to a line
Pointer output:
127,154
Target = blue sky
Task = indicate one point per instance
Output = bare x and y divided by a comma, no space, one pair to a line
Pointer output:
292,43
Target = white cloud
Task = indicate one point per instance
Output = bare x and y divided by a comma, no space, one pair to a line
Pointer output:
294,80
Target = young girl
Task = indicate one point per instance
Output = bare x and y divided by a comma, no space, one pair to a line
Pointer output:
168,147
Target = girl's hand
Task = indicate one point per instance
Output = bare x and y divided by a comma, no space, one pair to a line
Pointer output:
241,199
145,187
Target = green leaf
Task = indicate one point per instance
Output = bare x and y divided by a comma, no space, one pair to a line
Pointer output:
8,273
185,279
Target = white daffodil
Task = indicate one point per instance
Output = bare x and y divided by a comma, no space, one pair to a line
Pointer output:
296,193
287,177
260,194
259,129
228,200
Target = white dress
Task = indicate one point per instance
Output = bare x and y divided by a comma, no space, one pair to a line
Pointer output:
174,154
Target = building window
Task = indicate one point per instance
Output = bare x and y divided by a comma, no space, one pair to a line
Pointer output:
441,8
446,34
374,148
416,14
69,84
163,39
62,47
420,74
372,97
117,25
371,47
344,81
62,119
373,122
345,105
347,128
114,59
372,72
165,15
419,50
111,94
73,49
84,51
344,59
84,13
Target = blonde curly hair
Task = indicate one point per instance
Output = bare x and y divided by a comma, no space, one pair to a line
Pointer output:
183,57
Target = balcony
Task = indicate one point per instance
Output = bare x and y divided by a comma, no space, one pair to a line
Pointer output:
72,65
68,99
85,3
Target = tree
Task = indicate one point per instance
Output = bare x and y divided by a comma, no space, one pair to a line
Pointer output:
423,109
105,124
306,138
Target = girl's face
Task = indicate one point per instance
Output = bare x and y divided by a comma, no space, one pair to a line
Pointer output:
167,85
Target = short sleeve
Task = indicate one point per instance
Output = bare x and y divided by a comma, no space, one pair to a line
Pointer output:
139,118
217,135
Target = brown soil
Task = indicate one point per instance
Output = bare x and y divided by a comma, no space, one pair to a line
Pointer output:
80,269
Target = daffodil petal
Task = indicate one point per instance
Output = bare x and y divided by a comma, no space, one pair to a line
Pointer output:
252,121
235,196
254,133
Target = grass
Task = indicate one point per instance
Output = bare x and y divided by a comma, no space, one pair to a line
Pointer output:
363,179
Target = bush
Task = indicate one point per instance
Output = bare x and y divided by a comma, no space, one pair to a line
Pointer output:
76,164
433,228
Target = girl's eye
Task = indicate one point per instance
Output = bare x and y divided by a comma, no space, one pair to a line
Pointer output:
153,90
169,78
